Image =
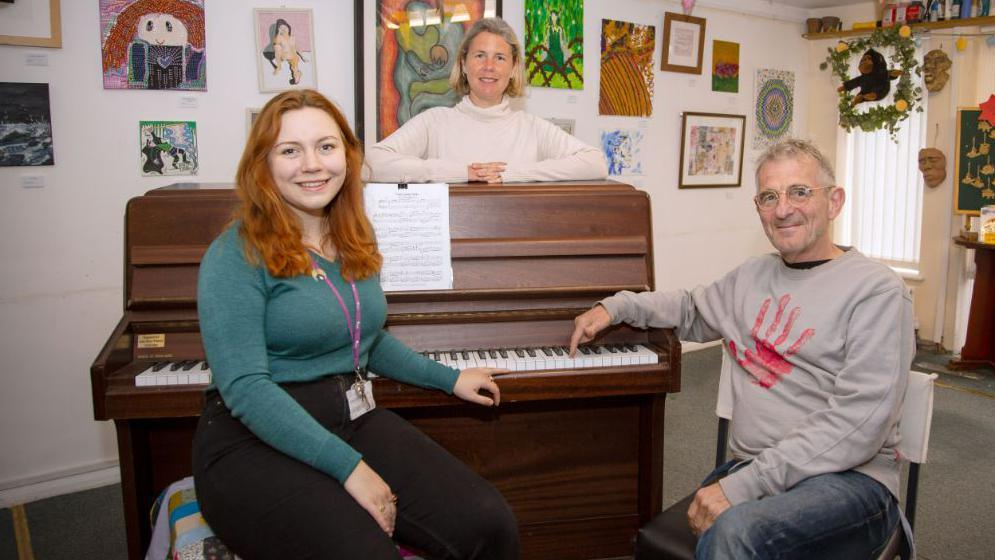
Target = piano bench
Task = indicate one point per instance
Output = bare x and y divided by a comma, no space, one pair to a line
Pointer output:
667,536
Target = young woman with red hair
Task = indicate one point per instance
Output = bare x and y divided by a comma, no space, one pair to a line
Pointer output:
291,457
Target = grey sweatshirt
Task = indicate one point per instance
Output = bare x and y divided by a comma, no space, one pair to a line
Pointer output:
821,359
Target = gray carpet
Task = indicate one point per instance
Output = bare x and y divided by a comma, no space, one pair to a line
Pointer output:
955,518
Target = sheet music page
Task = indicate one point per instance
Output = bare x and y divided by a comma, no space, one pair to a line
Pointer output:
412,227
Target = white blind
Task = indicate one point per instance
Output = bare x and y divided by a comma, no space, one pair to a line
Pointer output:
883,216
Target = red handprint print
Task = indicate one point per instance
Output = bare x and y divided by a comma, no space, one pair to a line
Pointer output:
766,364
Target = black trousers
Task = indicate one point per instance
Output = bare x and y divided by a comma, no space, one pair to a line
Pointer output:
264,504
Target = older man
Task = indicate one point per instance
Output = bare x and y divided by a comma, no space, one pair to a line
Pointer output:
822,341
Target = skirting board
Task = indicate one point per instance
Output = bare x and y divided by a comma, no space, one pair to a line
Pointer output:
55,484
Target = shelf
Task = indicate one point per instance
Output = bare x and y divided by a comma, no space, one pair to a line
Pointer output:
916,27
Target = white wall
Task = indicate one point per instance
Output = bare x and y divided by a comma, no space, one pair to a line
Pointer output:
61,245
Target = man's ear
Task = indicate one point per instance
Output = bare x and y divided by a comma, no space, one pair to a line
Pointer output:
836,199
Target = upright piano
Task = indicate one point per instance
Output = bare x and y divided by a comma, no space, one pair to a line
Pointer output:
577,451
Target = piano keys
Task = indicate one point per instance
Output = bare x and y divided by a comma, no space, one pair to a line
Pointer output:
576,446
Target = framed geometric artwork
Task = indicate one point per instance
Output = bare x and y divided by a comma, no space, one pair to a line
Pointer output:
774,108
711,150
683,43
405,50
285,56
153,44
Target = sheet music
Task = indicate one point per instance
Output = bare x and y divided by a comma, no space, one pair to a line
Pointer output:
412,227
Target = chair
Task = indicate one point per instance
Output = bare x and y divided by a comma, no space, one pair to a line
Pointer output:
668,537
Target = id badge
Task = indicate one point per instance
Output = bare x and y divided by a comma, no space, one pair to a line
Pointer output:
361,400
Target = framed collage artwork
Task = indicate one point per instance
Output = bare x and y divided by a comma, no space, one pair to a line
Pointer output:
405,50
711,150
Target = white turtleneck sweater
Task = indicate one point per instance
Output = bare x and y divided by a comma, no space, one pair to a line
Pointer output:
439,144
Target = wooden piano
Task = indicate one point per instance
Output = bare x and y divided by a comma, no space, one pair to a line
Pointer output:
578,453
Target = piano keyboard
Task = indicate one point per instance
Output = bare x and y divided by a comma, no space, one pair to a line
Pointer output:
186,372
197,372
549,357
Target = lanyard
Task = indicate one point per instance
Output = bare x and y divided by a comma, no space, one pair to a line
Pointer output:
354,331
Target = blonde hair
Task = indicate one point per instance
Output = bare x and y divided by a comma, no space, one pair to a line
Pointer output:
497,26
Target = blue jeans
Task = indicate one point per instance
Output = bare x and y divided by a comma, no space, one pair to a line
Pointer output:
836,515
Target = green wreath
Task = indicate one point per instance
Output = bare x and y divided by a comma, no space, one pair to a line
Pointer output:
906,97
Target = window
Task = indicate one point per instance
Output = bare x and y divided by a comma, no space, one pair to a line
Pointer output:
882,217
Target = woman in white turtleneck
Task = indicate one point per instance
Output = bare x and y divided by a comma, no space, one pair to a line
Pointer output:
482,139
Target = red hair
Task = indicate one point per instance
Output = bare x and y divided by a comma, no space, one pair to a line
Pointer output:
270,230
116,46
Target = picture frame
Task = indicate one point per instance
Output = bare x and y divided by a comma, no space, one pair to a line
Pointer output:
378,100
251,114
683,43
974,163
712,147
29,15
285,52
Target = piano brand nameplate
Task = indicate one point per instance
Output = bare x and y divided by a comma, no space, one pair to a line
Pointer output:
151,340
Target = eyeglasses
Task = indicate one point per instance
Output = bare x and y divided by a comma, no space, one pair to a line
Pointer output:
798,196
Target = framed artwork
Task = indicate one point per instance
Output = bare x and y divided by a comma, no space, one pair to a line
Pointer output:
683,43
566,125
31,23
554,43
285,56
153,44
725,66
974,182
168,147
251,114
26,128
711,150
626,86
411,46
623,149
774,106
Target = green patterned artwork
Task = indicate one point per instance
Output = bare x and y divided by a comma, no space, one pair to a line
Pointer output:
554,43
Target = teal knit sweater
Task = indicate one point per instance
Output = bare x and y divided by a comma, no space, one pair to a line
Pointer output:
260,331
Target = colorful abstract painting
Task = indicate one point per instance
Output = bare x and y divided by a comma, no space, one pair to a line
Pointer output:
25,125
168,147
153,44
775,105
626,69
284,49
554,43
623,150
417,43
725,66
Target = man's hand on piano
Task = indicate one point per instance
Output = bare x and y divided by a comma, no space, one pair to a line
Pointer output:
587,325
472,380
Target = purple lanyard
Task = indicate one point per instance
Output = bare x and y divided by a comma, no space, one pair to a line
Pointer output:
354,332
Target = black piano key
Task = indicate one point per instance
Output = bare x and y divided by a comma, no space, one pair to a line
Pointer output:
503,353
557,351
453,356
175,366
465,354
188,365
493,354
631,347
585,350
159,365
530,352
482,354
203,365
519,353
547,351
611,348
